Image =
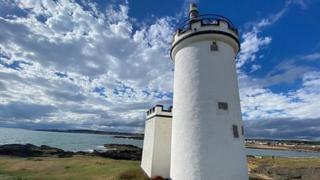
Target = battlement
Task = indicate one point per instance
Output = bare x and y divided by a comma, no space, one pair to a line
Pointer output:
205,20
159,110
204,27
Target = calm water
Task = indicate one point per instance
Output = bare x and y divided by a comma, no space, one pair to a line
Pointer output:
264,152
65,141
87,142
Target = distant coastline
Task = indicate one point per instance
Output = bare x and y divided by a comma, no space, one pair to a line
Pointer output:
289,145
88,131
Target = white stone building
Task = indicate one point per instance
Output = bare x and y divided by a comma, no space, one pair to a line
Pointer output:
206,135
157,142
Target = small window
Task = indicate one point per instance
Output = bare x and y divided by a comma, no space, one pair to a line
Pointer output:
214,46
242,130
235,131
223,105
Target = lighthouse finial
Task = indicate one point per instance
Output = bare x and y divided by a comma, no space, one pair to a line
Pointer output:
193,11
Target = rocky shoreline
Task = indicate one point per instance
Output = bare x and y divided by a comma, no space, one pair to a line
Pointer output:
137,137
30,150
114,151
120,151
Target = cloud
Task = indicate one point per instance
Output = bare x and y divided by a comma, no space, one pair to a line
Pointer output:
288,71
301,3
266,111
273,18
311,57
283,128
253,42
251,45
20,110
72,65
83,63
259,102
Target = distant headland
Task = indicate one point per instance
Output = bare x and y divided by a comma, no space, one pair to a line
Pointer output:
88,131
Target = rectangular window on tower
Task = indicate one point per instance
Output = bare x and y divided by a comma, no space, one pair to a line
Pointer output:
242,130
223,105
235,131
214,46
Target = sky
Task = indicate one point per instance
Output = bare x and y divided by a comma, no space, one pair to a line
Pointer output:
101,64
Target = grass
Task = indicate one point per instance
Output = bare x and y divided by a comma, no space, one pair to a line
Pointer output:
77,167
293,163
285,166
91,167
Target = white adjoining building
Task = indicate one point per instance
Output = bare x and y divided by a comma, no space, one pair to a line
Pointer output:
204,138
157,142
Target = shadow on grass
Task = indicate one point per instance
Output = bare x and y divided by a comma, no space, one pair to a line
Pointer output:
132,175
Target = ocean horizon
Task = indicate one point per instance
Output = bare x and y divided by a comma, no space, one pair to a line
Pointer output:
62,140
90,142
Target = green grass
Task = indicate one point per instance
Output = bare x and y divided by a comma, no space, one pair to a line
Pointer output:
92,167
285,166
285,162
77,167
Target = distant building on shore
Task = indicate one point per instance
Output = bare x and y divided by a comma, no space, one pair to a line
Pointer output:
202,137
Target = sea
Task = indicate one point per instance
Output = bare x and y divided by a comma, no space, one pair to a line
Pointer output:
90,142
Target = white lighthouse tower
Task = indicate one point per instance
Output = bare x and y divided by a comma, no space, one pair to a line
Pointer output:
207,132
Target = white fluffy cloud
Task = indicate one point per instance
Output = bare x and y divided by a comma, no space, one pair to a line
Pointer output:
250,46
261,103
258,101
66,65
91,67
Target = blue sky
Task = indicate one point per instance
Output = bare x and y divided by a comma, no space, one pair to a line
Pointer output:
102,64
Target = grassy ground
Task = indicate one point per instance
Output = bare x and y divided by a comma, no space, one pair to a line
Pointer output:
91,167
285,162
77,167
284,168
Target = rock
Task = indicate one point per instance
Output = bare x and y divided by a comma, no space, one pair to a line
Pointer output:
115,151
27,150
30,150
137,137
122,147
83,153
121,151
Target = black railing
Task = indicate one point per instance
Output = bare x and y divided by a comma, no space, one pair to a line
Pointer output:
206,19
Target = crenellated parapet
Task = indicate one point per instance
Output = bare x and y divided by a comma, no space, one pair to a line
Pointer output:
159,111
205,20
208,26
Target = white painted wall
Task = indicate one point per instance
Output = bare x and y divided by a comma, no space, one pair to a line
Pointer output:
147,153
162,147
157,144
203,146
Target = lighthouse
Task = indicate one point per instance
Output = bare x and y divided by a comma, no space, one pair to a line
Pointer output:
202,136
207,132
